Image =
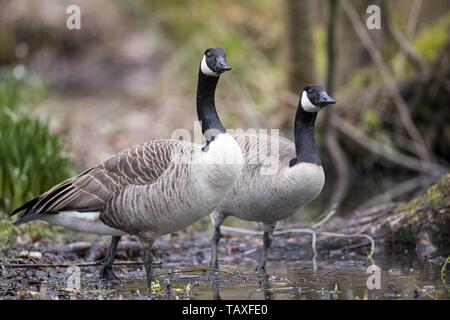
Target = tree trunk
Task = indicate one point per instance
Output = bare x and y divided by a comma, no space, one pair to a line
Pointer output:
299,62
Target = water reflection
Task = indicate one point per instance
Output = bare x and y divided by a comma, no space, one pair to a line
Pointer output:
402,277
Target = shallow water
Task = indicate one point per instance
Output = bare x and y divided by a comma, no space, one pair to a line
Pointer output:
185,276
400,278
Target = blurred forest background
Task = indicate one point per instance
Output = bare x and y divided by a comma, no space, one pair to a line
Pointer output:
70,98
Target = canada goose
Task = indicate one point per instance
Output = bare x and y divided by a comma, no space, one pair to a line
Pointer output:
298,179
152,189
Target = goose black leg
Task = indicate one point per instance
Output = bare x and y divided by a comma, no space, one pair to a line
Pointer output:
148,265
215,250
147,239
216,290
217,219
267,242
106,271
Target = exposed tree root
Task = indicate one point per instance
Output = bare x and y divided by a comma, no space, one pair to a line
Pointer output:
310,231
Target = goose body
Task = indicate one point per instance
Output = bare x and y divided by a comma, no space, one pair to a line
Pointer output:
268,197
271,198
158,187
151,189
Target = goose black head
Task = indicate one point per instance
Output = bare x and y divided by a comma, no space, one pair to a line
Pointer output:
314,97
214,62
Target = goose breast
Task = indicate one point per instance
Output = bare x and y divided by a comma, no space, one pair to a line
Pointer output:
275,196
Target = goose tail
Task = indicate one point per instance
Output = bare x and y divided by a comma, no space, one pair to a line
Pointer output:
28,215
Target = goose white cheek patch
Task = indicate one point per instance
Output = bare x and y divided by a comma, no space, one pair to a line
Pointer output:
307,104
205,69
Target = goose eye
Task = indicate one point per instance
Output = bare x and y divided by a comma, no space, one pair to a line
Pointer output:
208,54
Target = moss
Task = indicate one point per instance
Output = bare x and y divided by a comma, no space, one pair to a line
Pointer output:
435,195
429,212
427,43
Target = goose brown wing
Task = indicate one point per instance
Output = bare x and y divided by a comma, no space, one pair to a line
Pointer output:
258,148
90,190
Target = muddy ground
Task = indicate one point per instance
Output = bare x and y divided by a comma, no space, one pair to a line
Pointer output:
183,273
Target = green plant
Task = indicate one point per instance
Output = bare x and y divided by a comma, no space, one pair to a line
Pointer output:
32,159
16,94
444,273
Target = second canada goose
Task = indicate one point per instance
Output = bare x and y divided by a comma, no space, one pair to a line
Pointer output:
297,181
154,188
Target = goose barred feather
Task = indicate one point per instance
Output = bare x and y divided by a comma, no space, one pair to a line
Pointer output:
92,189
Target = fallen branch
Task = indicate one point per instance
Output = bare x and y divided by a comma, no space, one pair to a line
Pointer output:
385,151
241,231
399,190
331,234
313,233
66,265
423,291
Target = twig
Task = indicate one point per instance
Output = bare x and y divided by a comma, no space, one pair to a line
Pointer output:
66,265
241,231
355,235
314,249
443,273
327,217
332,234
327,273
423,291
391,86
341,165
203,269
308,231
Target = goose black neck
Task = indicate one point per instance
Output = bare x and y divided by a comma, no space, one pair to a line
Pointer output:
305,142
206,107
